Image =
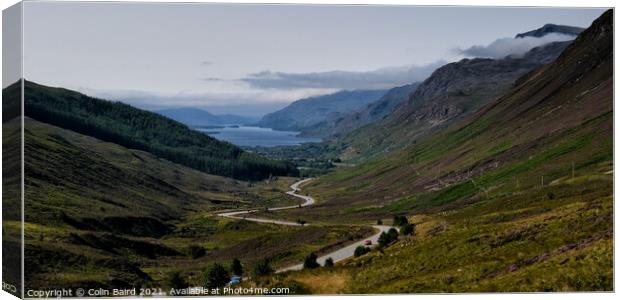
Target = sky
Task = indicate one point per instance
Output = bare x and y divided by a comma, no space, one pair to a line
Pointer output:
253,59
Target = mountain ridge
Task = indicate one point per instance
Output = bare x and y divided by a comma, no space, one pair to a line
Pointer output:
551,28
305,113
193,116
373,112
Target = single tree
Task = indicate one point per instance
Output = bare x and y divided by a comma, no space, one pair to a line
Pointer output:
393,234
400,221
263,267
235,267
310,262
379,222
176,281
384,239
408,229
301,222
329,262
215,276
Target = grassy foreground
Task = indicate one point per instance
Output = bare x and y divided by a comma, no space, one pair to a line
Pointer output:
556,238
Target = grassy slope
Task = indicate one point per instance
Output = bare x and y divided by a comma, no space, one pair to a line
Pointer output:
100,215
494,197
138,129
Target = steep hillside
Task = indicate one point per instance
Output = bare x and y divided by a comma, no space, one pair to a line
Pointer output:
192,116
305,113
138,129
449,94
516,197
371,113
98,214
555,116
377,110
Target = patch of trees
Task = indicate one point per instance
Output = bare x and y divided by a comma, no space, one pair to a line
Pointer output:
176,281
263,267
361,250
134,128
215,276
387,238
400,221
406,228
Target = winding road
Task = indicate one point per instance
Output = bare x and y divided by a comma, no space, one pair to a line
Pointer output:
337,255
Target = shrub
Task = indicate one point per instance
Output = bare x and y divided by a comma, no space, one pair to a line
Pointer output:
301,222
361,250
263,267
196,251
310,262
215,276
235,267
329,262
176,281
408,229
379,222
384,239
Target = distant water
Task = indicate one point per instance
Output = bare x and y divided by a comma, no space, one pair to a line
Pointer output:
250,136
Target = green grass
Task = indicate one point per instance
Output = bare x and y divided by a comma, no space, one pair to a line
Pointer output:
77,185
559,244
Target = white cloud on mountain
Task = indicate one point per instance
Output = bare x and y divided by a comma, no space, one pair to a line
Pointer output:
503,47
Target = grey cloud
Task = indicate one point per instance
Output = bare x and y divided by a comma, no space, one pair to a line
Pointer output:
377,79
501,48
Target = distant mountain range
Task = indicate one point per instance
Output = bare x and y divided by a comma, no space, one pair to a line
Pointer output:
192,116
306,113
